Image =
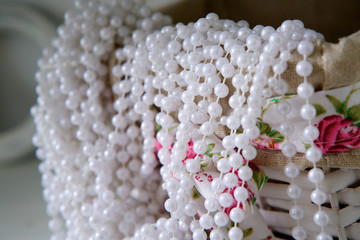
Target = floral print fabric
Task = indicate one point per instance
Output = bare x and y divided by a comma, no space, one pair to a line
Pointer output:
337,118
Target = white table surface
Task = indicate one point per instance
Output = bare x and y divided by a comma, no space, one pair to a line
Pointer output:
22,208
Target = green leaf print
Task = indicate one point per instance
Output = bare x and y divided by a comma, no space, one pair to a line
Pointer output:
247,232
195,193
337,104
276,135
264,128
259,178
275,100
158,127
307,146
353,113
203,165
319,109
210,147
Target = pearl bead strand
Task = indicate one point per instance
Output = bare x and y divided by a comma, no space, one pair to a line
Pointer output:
308,112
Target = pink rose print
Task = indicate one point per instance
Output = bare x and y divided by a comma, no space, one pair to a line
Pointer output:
231,191
337,134
189,154
266,142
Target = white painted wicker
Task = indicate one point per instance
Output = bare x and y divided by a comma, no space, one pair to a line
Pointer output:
343,205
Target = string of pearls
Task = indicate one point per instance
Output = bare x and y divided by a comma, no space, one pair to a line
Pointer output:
91,154
311,133
100,172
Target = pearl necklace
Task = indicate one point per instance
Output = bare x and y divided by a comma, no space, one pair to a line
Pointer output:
190,80
85,143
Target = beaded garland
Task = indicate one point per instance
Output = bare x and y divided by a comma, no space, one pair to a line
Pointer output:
100,169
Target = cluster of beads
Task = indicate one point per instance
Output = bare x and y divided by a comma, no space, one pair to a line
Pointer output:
90,148
188,71
191,80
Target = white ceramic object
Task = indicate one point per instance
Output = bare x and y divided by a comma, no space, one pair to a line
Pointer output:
15,141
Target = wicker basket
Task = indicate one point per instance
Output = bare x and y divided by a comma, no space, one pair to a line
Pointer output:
343,205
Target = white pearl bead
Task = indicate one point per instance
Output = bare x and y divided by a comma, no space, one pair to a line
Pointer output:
313,154
294,191
190,209
209,69
206,221
305,48
237,215
281,87
252,132
192,165
173,47
241,194
171,205
254,111
196,39
213,80
223,165
199,234
304,68
249,153
299,233
308,112
182,198
214,109
216,52
305,90
296,212
172,225
253,42
226,200
233,122
286,128
227,70
200,147
207,128
211,204
217,185
266,32
194,225
230,180
245,173
216,234
291,170
241,141
221,219
318,197
283,107
248,121
236,160
288,149
228,142
235,233
172,185
321,218
324,236
205,89
316,175
311,133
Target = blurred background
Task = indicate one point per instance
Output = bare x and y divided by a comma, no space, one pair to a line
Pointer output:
27,26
